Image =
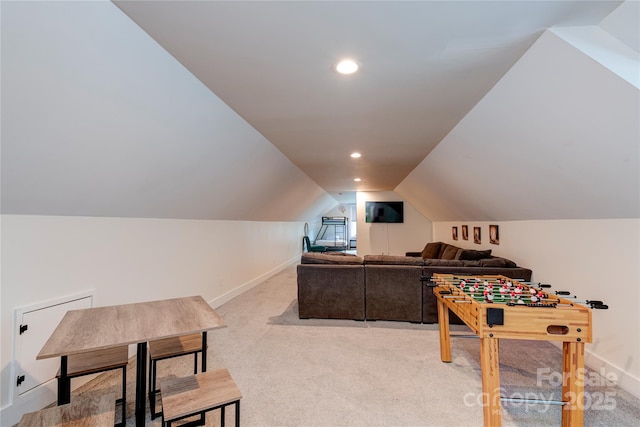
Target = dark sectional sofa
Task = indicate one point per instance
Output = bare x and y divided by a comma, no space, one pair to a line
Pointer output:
387,287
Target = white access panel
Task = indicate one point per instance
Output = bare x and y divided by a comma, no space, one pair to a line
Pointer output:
37,324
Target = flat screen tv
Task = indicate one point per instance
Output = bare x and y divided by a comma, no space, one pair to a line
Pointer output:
392,212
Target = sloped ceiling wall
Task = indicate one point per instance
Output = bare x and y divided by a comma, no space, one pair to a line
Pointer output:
109,124
556,138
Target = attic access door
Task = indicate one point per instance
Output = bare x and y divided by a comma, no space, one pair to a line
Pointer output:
33,327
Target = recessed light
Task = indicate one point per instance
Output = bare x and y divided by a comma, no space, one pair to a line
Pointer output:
347,66
357,179
356,155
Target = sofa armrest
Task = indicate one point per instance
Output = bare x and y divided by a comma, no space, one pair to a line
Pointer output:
414,254
331,291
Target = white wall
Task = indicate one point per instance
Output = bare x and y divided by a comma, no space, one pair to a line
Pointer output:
594,259
99,120
555,138
391,239
127,260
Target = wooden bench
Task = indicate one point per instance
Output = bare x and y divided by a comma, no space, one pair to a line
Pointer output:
197,394
167,348
93,362
90,410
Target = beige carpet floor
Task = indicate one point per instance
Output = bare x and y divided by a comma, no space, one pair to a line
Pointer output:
321,373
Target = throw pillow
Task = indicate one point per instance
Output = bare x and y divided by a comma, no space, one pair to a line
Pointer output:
431,250
449,252
474,255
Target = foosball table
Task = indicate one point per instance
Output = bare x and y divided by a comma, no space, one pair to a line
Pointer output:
496,307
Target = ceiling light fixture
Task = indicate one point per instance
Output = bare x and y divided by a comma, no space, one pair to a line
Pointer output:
357,179
356,155
347,66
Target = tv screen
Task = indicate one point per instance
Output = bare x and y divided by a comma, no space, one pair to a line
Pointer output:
384,212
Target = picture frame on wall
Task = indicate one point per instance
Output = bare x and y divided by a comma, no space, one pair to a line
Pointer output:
477,238
494,237
465,232
454,233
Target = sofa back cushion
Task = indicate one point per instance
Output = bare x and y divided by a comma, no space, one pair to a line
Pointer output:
443,262
432,250
497,262
473,255
318,258
392,260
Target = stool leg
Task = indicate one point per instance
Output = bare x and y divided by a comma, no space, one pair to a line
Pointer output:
124,395
222,417
150,364
204,351
238,413
153,370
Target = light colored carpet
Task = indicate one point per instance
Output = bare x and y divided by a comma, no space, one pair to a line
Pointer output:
320,373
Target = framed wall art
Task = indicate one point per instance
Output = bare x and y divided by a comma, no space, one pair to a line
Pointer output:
494,237
465,232
454,233
477,238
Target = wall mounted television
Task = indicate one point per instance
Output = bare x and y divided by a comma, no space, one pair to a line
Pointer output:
389,212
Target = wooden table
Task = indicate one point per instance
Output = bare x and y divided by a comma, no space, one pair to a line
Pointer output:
112,326
561,320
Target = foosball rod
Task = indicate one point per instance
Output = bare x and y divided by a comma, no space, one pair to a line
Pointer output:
540,401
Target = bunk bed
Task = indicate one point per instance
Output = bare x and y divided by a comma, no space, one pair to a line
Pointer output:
334,233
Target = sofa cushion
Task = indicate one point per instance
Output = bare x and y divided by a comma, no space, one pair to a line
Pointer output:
449,252
392,260
432,250
471,254
444,262
470,263
493,262
318,258
508,263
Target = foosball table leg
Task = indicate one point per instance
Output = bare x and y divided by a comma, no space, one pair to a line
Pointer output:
489,362
573,384
445,339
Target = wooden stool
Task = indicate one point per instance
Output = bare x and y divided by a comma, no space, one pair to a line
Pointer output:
89,411
173,347
93,362
197,394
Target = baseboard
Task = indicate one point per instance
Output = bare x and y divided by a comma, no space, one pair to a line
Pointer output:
615,374
33,400
218,301
619,376
36,399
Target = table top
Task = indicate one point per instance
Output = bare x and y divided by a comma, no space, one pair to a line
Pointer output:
105,327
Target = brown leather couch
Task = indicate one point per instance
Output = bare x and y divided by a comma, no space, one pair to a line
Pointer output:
379,287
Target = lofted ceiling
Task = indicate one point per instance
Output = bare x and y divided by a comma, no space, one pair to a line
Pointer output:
424,66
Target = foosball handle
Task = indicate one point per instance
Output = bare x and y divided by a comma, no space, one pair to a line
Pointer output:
428,279
598,305
544,285
563,293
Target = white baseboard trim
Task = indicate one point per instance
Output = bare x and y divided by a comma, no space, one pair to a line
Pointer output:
30,401
218,301
619,376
